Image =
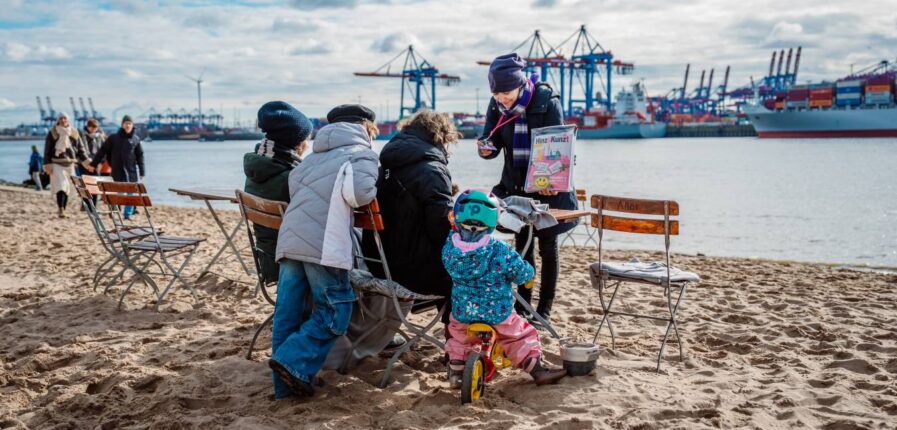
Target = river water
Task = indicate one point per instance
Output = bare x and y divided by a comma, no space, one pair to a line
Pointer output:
826,200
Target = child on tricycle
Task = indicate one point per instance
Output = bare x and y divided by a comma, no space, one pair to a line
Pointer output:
484,271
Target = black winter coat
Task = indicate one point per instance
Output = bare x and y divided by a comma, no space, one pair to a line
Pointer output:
268,178
124,154
415,195
544,110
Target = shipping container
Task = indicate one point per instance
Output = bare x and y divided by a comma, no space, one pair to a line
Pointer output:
880,88
821,93
820,103
798,94
881,79
849,90
780,105
850,83
796,104
848,102
850,96
769,104
878,99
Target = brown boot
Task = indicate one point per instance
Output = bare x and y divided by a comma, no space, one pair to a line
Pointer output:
545,375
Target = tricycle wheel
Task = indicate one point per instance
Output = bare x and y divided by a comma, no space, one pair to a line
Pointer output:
472,382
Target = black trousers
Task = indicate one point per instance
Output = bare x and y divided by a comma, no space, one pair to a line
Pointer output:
551,267
62,199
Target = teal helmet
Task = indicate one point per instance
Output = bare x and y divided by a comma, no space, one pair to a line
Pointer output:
476,207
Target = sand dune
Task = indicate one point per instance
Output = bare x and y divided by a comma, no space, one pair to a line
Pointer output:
768,345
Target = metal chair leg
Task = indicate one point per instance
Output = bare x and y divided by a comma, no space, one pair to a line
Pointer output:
176,276
420,334
671,324
602,285
258,331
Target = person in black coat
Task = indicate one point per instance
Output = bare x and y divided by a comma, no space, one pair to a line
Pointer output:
508,84
415,195
123,152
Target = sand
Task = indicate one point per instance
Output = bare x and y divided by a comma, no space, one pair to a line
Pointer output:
768,345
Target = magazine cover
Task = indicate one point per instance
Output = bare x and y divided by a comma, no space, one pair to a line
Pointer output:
551,160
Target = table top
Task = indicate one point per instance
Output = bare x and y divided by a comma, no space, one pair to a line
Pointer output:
211,194
568,215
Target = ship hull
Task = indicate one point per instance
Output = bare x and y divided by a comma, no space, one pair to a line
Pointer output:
826,123
624,131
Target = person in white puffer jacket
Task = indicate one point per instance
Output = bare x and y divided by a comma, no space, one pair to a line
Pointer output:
314,247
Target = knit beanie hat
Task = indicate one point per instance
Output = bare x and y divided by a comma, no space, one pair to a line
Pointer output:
506,73
350,113
126,118
283,124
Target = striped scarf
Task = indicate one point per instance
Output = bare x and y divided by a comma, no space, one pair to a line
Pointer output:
521,144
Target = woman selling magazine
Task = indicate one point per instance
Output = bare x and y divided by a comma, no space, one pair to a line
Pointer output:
519,105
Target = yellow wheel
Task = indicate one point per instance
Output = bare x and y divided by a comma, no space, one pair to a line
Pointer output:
472,382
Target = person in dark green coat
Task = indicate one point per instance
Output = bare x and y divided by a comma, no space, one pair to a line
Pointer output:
268,168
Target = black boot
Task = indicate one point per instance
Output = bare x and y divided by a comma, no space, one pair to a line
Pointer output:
544,375
297,385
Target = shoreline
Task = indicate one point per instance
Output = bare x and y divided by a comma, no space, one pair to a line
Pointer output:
767,344
863,267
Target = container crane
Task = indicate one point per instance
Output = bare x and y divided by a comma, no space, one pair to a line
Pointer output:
84,109
50,109
417,74
93,111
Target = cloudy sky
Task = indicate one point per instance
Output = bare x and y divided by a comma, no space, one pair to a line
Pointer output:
132,55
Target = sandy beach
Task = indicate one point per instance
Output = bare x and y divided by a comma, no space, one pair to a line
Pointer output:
768,345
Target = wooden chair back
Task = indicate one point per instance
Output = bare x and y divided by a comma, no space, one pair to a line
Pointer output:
368,217
669,209
264,212
580,194
124,194
81,187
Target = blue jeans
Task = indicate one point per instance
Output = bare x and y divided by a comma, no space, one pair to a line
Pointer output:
301,343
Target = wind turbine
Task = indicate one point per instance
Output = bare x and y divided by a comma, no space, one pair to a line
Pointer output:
198,81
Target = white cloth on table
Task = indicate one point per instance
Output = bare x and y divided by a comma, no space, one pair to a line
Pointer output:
520,211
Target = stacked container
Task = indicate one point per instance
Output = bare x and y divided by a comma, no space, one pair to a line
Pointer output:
821,95
780,100
878,90
797,97
849,93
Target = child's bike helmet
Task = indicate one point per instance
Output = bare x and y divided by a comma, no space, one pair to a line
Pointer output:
476,210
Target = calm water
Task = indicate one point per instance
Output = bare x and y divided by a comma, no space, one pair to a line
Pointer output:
811,200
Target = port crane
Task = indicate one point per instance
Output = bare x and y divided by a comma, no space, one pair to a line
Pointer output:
575,74
419,79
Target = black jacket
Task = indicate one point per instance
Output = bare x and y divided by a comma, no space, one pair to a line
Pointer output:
124,154
268,178
415,195
544,110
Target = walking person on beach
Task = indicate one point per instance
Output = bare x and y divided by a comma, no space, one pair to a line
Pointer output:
483,270
415,196
268,167
520,104
35,167
62,148
125,155
314,247
93,138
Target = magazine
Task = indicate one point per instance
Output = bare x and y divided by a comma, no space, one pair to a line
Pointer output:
551,159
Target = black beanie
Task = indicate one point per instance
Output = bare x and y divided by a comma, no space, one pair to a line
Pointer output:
506,73
350,113
283,124
126,118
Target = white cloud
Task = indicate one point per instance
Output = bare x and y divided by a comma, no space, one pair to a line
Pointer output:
133,74
785,31
6,103
19,52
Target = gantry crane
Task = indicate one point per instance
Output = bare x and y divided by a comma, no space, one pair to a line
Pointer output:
417,74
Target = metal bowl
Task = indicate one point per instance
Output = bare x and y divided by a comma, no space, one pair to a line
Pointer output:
579,358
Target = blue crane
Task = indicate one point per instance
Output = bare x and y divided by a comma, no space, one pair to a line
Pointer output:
419,78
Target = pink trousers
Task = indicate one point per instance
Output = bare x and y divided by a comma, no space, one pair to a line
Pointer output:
517,337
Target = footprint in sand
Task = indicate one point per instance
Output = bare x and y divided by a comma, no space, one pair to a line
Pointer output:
856,365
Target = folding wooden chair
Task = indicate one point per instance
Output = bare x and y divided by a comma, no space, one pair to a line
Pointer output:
605,275
110,237
155,248
257,211
368,217
589,231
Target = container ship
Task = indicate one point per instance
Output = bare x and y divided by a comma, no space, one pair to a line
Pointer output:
631,119
851,107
